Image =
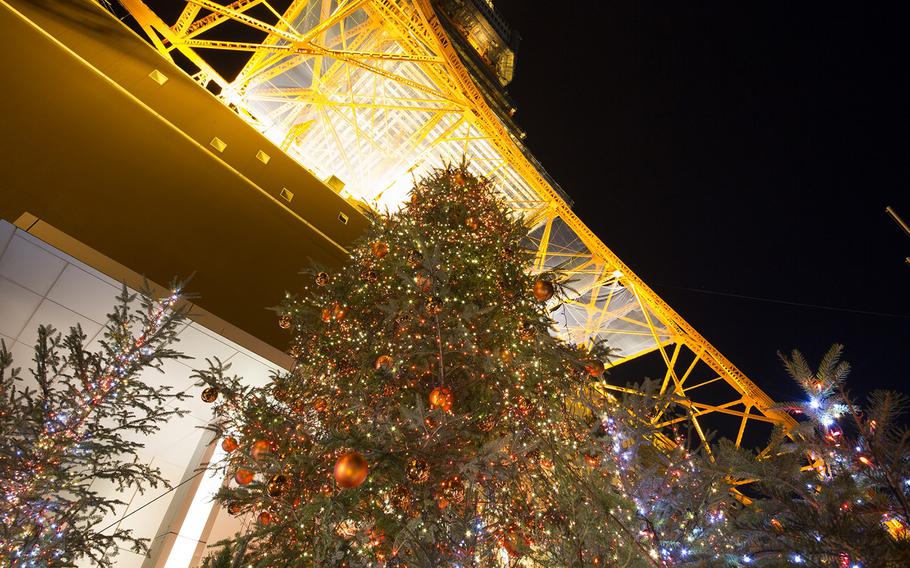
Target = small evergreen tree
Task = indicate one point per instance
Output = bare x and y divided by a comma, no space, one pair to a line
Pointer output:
833,491
76,421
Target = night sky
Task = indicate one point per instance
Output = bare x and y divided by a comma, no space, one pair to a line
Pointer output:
736,149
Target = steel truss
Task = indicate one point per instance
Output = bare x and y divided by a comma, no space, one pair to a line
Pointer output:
374,93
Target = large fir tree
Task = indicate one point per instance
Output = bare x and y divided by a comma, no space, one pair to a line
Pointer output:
432,419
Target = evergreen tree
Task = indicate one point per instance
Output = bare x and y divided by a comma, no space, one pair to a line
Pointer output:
432,419
74,422
835,490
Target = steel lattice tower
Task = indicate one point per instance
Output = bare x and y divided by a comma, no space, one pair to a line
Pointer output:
368,94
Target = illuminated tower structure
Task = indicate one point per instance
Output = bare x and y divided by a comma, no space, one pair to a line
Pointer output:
336,107
369,93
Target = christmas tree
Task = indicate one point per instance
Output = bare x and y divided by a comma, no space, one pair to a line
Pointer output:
833,491
74,421
431,418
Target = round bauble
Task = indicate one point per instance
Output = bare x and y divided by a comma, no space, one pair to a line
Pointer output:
243,477
284,322
441,399
210,394
594,368
265,518
526,331
351,470
543,290
379,249
434,305
400,498
277,485
234,508
423,283
459,179
322,278
260,449
229,444
471,223
452,490
486,423
414,258
384,363
418,470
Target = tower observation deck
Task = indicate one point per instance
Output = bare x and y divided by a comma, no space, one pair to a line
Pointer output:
369,94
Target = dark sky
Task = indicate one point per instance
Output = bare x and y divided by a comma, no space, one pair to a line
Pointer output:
734,148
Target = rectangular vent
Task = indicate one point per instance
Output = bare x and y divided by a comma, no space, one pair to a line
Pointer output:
287,194
218,144
158,77
343,218
263,157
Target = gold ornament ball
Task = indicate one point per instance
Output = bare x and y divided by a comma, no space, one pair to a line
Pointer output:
414,258
379,249
284,322
460,179
400,498
351,470
487,423
452,490
277,485
243,477
210,394
441,399
322,278
260,449
526,331
472,223
418,470
543,290
434,305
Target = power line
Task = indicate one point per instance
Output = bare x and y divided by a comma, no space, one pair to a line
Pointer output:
169,491
789,302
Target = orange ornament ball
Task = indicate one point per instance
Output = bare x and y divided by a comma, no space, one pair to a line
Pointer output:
543,290
351,470
424,284
243,477
595,368
441,399
260,449
472,223
229,444
379,249
265,518
384,363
